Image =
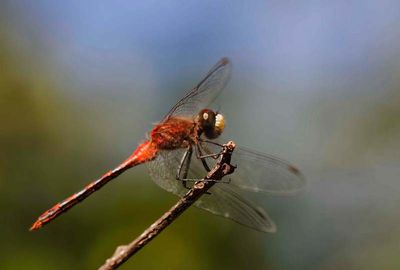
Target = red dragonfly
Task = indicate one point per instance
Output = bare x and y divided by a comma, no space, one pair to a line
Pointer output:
191,128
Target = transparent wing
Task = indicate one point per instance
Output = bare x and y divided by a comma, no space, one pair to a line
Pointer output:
204,93
227,202
223,200
163,170
259,172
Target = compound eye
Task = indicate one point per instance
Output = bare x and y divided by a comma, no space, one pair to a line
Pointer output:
207,118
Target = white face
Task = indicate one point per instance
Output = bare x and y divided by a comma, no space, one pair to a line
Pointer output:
219,123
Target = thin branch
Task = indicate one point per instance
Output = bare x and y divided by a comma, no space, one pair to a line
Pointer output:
221,169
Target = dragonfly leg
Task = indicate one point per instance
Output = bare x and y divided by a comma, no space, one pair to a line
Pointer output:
199,155
211,142
212,155
184,165
202,157
183,169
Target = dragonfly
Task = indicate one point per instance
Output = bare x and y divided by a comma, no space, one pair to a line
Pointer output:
182,148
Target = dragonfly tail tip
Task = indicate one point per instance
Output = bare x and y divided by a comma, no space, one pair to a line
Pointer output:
37,225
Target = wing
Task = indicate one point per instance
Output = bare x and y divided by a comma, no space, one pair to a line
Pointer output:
163,170
223,200
259,172
204,93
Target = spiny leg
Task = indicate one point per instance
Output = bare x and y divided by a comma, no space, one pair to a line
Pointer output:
211,142
208,153
202,157
199,155
184,166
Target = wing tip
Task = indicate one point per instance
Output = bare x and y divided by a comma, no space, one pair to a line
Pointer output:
35,226
294,170
271,228
224,61
268,225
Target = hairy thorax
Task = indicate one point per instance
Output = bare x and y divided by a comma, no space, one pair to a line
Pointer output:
176,132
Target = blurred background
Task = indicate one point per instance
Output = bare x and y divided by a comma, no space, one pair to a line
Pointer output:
316,83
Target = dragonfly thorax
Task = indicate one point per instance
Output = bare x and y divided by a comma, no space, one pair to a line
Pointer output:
210,123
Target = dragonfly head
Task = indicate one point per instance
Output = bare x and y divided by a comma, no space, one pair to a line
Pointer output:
211,124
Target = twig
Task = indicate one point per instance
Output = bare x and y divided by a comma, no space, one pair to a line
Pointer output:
223,168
